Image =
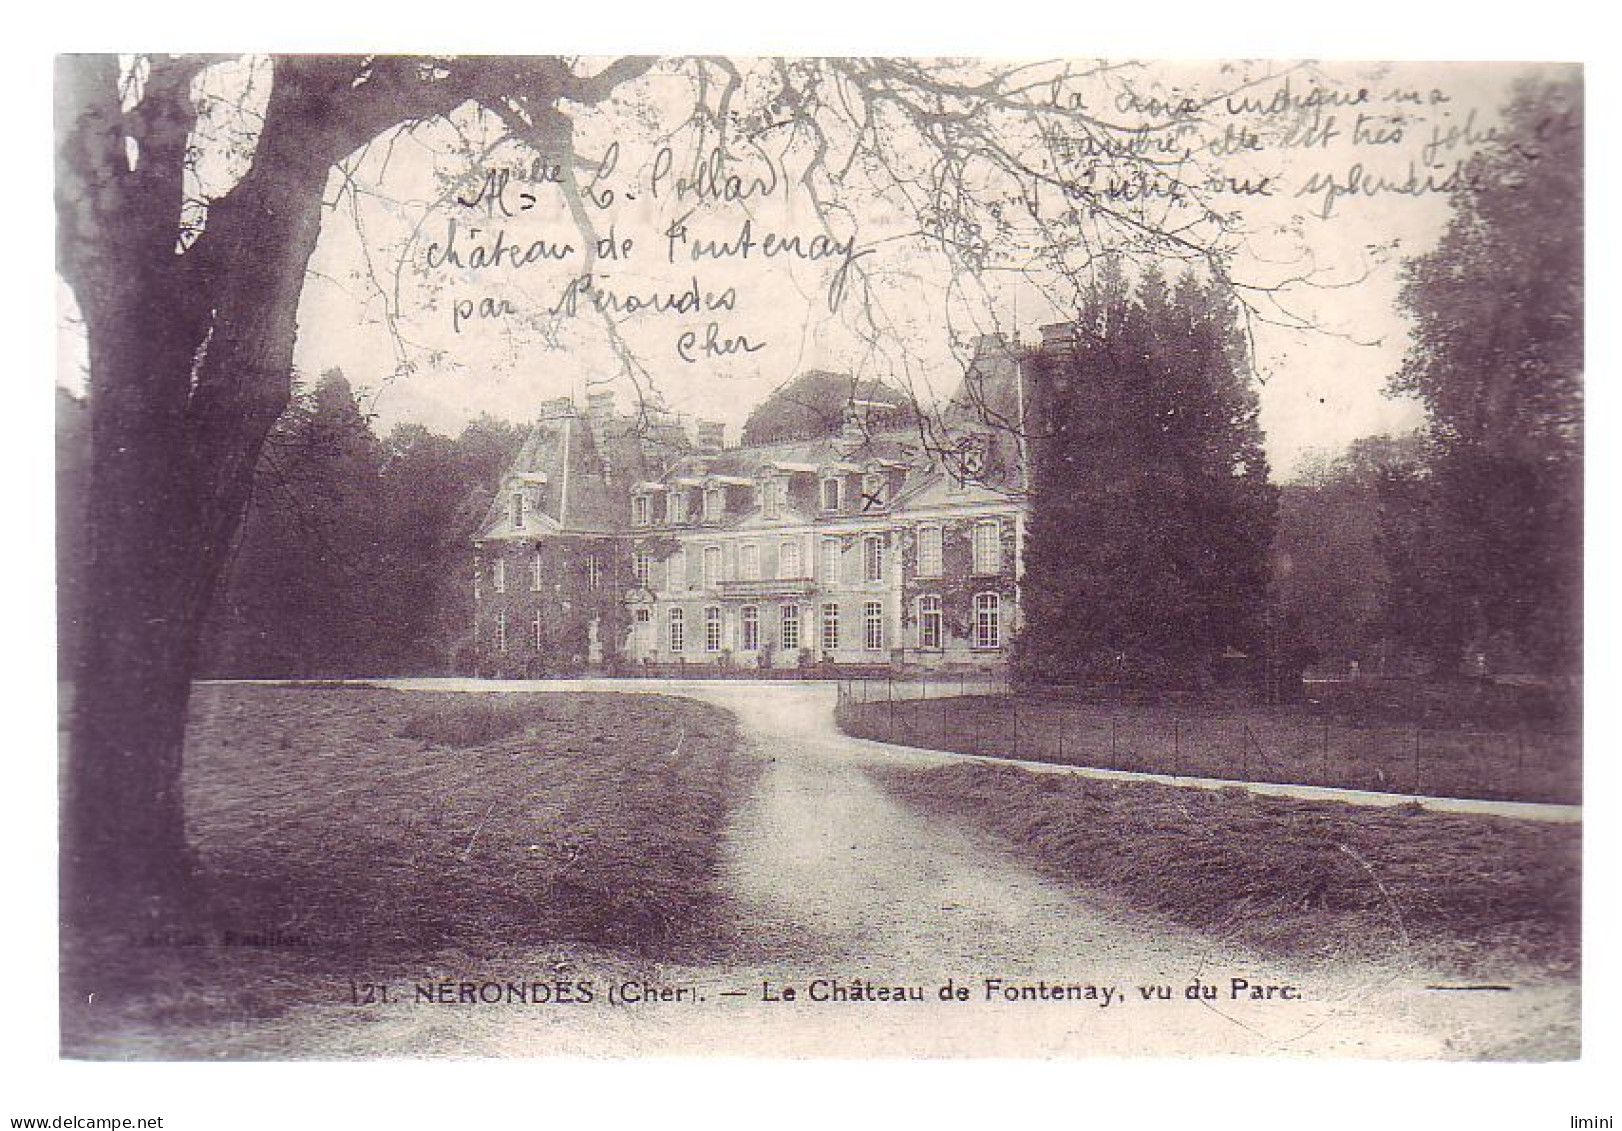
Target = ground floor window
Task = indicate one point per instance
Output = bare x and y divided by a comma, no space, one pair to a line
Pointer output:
749,619
988,621
537,630
929,622
712,629
678,630
830,627
873,626
501,631
789,626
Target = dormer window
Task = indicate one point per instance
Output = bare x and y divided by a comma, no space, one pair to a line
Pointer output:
676,507
641,510
833,494
875,491
518,510
771,503
715,503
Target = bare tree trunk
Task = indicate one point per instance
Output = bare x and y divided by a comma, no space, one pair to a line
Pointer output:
191,363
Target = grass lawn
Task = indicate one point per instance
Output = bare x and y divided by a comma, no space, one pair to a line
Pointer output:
358,834
1309,880
1278,744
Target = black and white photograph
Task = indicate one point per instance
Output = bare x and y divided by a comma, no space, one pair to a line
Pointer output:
817,556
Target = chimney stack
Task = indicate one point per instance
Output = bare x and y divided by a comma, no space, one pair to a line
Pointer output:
991,346
558,408
1058,334
711,436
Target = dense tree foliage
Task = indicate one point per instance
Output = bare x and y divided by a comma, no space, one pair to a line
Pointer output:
1485,538
1332,581
1152,512
354,557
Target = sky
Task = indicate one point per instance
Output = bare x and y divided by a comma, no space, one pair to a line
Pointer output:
426,341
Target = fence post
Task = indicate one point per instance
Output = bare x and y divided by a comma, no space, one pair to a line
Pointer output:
1520,764
1326,749
1113,759
1015,703
1244,753
1176,748
1416,762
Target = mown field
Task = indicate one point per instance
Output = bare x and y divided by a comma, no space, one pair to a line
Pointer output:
1480,896
1237,743
355,834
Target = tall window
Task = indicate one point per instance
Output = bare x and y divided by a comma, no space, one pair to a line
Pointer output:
678,629
641,510
873,557
987,547
478,580
675,510
830,561
498,579
594,571
642,568
833,493
749,562
987,621
715,502
830,626
535,572
537,627
712,566
749,624
788,558
929,551
788,627
875,491
712,629
929,622
771,503
676,572
873,626
501,630
518,510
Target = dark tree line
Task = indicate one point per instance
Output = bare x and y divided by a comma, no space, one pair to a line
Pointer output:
1485,533
1459,551
354,557
1152,515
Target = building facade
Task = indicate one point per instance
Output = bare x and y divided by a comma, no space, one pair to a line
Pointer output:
624,545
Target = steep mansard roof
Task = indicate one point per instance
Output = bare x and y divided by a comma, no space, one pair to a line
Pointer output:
586,472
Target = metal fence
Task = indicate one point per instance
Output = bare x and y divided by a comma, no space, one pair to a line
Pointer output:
975,715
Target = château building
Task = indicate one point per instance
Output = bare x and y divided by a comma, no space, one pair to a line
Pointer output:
624,543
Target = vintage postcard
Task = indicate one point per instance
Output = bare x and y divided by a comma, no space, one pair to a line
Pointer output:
819,557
